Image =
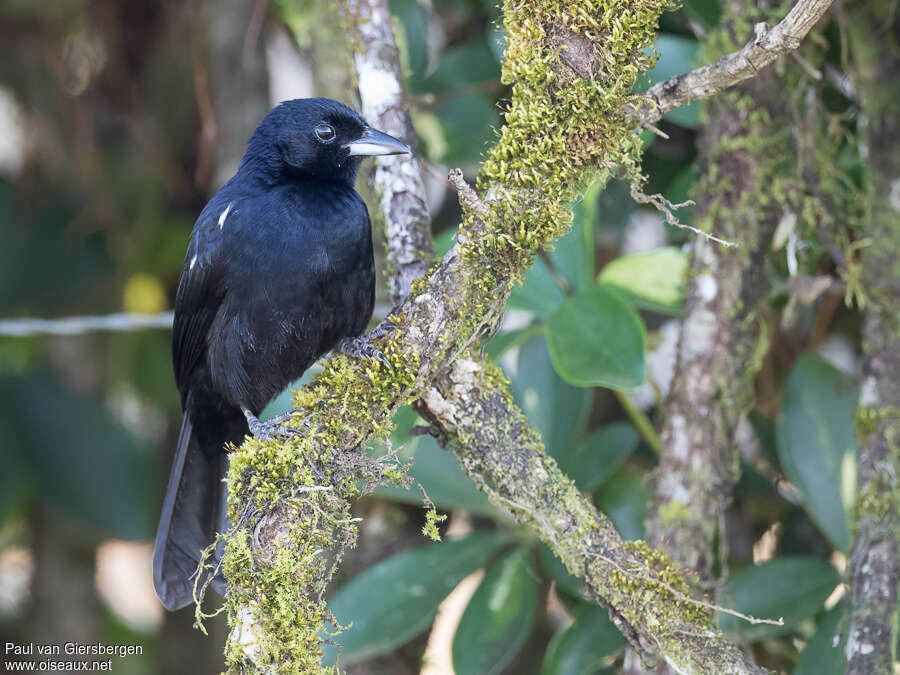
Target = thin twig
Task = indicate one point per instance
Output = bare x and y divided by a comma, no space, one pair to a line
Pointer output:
767,45
468,198
117,322
79,325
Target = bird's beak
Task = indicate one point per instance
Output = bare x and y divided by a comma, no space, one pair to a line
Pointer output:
374,142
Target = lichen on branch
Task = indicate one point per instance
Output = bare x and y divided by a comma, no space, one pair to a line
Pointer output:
748,184
875,563
572,67
649,599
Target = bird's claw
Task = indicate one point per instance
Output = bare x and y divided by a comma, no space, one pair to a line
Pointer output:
361,348
383,329
273,428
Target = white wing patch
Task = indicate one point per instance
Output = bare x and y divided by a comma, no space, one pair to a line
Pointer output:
224,215
193,262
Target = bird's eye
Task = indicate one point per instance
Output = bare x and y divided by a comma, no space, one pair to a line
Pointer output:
325,133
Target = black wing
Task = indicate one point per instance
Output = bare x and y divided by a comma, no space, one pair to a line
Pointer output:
201,290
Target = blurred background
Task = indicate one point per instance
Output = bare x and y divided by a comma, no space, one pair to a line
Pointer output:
118,120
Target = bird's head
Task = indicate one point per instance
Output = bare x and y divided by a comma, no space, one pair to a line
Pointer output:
315,138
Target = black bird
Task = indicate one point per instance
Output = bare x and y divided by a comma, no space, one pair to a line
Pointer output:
278,271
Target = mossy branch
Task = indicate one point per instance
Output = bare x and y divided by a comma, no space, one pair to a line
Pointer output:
649,599
873,27
561,130
451,407
747,185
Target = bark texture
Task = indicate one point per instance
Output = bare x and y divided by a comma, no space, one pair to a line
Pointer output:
648,599
874,567
397,180
493,440
723,336
286,497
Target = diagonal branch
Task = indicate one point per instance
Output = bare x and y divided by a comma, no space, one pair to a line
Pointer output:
490,434
767,45
559,129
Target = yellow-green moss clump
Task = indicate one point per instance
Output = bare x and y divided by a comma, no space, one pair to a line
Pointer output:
296,495
664,588
573,66
879,500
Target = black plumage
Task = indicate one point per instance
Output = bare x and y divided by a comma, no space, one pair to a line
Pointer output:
279,270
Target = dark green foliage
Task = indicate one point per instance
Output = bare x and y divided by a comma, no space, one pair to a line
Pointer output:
582,647
817,443
791,588
498,618
396,599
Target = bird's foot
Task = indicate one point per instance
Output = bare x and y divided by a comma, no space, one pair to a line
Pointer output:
384,329
361,347
273,428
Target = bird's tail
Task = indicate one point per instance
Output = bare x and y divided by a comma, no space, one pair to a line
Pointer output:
193,511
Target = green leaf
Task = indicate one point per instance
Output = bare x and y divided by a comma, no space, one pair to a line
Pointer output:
499,344
600,455
581,647
412,41
445,241
614,209
573,253
498,618
396,599
679,188
817,445
468,63
557,410
468,122
444,481
624,498
538,293
650,279
597,339
792,588
824,653
708,11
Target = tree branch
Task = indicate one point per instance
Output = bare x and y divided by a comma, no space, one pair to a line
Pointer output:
397,180
648,598
289,539
767,45
875,563
745,155
448,405
460,413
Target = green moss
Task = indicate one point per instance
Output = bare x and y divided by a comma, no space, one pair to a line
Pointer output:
879,500
558,129
674,510
664,588
559,124
300,484
873,420
432,520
